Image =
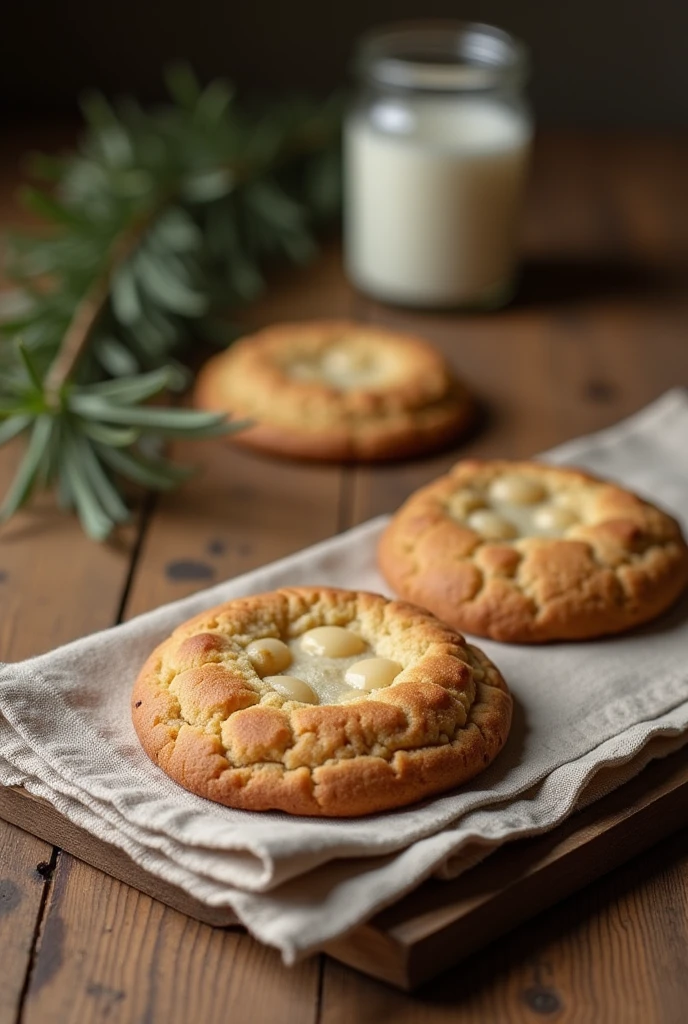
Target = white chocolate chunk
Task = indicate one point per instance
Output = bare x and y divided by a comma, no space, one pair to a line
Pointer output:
491,525
344,362
464,502
346,368
332,642
268,656
372,673
551,517
293,688
516,490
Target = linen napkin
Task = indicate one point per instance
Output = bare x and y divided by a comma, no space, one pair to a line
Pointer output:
65,734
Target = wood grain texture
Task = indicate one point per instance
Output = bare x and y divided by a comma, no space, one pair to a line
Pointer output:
24,870
110,953
598,330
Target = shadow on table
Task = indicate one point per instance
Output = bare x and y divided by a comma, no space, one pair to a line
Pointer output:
560,279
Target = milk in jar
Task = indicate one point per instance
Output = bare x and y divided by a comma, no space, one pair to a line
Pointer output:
436,155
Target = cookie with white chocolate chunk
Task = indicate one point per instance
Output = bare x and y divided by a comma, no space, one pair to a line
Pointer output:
526,552
319,701
336,390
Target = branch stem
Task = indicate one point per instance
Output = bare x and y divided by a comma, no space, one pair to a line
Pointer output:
88,311
76,337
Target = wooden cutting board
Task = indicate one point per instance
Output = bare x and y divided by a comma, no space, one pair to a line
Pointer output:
440,923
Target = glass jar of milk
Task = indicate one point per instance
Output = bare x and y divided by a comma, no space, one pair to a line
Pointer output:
436,153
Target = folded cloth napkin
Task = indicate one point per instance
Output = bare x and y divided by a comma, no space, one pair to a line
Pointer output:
587,717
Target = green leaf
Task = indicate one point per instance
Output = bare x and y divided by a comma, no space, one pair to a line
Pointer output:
124,296
224,234
298,245
12,426
94,519
65,497
25,477
165,422
13,406
207,186
163,325
275,205
115,357
158,474
117,437
177,230
45,206
182,85
160,280
30,367
212,104
115,146
127,390
102,486
12,327
96,109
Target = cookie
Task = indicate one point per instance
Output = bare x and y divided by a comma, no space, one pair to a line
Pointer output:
321,702
525,552
333,390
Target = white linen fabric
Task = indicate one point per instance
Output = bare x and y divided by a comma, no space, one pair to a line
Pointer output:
588,716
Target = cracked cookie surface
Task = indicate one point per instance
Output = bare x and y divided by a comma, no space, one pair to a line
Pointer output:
524,552
336,390
431,713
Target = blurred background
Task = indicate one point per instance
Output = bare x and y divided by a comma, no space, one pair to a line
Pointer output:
597,63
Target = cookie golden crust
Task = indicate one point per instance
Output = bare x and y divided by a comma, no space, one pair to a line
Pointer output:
525,553
334,390
206,717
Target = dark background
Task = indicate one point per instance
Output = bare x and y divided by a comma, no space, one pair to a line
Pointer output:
597,63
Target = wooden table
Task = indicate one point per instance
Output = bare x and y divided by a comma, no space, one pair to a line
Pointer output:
600,328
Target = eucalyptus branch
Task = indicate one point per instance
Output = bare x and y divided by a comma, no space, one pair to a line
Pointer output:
156,222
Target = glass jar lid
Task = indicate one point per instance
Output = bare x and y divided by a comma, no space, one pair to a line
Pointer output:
441,56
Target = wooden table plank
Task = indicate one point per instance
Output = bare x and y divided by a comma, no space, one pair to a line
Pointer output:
25,867
110,953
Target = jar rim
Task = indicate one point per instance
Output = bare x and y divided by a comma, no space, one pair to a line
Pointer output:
439,56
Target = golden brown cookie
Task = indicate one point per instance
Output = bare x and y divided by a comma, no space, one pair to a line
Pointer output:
319,701
525,552
335,390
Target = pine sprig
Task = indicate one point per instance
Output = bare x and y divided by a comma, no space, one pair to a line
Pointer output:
159,219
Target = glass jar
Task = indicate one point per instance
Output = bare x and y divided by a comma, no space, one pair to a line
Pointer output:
436,155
